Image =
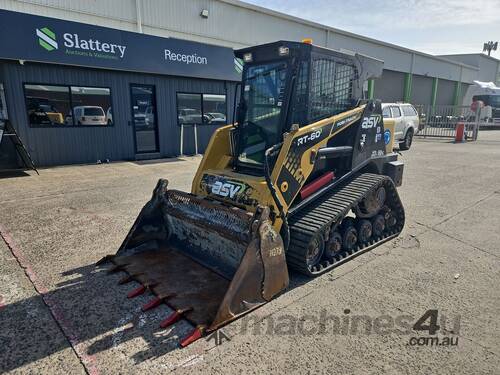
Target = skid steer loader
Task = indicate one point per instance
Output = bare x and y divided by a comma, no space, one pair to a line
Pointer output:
305,178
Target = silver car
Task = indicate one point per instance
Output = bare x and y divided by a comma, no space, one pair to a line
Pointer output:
406,121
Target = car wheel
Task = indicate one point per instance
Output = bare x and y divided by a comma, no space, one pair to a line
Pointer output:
406,144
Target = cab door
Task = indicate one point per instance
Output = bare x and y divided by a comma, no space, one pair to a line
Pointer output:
398,123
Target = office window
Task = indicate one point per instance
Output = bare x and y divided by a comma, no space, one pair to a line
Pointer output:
91,105
47,105
208,109
214,109
63,106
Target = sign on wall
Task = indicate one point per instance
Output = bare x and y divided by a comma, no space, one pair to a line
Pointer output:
50,40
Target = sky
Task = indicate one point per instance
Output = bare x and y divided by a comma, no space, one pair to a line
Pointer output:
438,27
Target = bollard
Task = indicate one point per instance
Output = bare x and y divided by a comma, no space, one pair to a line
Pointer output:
460,132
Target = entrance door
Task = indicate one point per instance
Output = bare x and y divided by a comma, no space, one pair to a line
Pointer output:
144,118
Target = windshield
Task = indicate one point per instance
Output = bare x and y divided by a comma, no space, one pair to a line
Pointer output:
263,97
494,101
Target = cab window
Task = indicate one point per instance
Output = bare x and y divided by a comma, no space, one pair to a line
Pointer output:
386,112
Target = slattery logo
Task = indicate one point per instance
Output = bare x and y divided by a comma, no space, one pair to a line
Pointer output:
78,45
47,39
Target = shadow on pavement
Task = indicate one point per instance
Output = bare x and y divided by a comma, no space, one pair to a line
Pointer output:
94,308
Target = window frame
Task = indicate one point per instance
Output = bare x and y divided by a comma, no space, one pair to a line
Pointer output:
389,109
399,109
200,94
24,83
411,109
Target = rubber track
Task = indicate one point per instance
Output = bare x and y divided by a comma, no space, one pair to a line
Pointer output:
330,209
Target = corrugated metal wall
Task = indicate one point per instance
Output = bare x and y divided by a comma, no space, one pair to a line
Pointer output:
445,92
65,145
421,89
234,25
389,88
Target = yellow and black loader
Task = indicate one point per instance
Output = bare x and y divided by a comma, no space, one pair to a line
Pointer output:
304,179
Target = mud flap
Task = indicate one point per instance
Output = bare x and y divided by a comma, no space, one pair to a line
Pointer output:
209,262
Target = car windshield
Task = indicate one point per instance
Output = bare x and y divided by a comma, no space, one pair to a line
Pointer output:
263,98
94,111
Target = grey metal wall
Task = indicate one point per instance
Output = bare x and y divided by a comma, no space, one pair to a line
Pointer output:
254,25
389,87
67,145
445,92
421,89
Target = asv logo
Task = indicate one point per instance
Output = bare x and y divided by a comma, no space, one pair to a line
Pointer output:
226,189
370,122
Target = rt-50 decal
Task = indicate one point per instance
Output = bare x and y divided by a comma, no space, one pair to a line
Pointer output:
370,122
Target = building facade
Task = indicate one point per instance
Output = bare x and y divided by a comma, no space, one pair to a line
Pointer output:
216,26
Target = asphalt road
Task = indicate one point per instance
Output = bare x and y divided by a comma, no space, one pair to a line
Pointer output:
59,314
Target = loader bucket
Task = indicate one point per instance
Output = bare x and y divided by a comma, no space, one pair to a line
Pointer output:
209,262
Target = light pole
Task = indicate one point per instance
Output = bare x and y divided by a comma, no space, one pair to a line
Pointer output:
490,46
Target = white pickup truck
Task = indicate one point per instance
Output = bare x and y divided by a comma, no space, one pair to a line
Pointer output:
406,121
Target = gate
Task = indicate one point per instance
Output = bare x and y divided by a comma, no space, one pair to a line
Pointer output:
441,121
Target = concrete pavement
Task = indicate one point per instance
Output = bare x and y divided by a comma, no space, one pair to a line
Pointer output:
60,314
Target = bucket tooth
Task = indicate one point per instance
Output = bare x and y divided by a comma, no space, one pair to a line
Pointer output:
194,335
141,289
155,302
137,292
174,317
126,280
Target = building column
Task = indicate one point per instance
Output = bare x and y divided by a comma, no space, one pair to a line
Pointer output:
458,89
371,88
434,93
407,88
435,82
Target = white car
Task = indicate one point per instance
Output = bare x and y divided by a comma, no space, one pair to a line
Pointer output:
406,121
89,115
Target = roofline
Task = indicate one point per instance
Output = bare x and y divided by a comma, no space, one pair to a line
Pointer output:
472,54
285,16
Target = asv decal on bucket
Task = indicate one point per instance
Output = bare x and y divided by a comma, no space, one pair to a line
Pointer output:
227,189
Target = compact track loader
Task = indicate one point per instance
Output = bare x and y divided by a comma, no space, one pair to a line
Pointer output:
305,178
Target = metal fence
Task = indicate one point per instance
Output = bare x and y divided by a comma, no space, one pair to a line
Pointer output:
441,121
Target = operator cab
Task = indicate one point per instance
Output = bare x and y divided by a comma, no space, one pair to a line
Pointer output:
287,83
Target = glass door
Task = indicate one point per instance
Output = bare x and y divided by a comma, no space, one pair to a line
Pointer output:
144,118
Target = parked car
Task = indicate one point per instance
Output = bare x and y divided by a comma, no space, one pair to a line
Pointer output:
189,116
216,118
89,115
406,121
